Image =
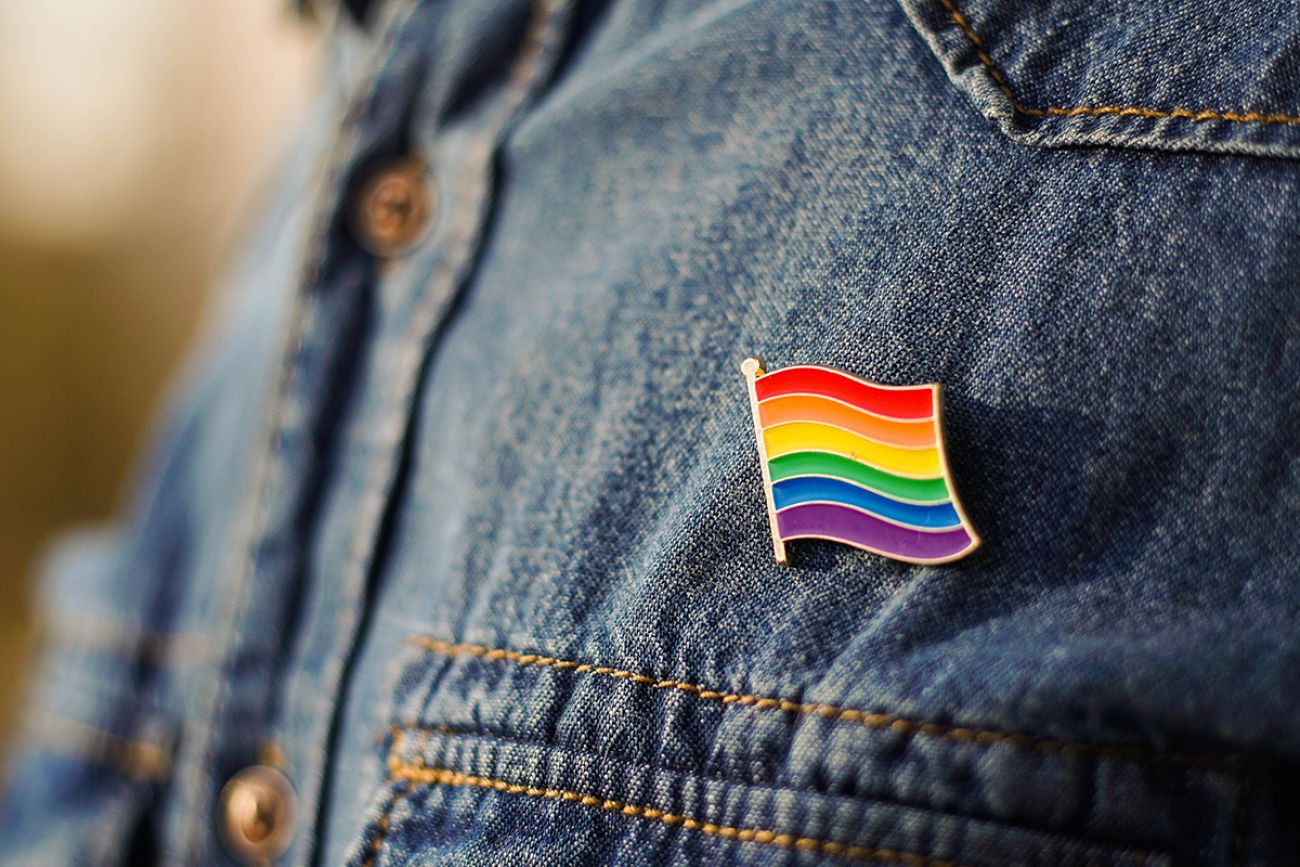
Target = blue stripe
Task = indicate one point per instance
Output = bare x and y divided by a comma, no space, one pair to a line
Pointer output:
821,489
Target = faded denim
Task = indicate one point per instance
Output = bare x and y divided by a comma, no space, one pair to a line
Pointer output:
473,541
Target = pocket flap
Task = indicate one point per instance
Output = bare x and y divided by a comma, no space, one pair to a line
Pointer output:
1173,75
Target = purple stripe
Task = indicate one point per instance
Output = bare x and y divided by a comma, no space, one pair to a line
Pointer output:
866,531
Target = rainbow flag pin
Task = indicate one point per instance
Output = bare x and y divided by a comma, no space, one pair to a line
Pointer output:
855,462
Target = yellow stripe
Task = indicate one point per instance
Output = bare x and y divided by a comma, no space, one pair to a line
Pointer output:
812,436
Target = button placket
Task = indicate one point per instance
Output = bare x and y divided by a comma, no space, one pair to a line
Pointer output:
236,703
390,215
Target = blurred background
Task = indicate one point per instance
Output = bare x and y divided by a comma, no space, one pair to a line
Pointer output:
136,136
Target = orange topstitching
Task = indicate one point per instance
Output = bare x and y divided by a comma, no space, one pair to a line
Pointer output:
1119,110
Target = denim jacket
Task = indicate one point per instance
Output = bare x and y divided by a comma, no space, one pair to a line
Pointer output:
467,539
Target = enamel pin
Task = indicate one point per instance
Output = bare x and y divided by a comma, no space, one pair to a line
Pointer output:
855,462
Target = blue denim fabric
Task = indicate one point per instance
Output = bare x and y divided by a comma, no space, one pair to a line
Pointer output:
472,542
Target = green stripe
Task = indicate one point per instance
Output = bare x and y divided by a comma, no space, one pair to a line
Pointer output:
840,467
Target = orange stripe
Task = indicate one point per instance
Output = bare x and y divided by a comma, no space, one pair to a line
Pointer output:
811,407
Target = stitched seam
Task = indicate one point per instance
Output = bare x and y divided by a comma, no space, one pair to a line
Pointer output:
443,777
135,758
381,829
416,773
870,719
428,747
415,340
386,820
446,731
85,634
1096,111
194,788
523,74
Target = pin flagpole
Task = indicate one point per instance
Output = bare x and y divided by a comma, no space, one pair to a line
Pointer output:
752,367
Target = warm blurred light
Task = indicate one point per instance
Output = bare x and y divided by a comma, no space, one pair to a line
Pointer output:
134,135
113,107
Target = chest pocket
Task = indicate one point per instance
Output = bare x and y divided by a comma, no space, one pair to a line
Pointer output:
1161,75
539,759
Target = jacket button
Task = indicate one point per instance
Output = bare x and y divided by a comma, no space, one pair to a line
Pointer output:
392,208
257,814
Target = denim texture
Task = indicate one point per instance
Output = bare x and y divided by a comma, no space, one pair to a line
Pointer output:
472,542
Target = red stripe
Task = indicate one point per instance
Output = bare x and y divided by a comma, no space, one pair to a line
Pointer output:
909,402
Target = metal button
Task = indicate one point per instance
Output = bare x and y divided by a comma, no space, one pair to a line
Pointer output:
393,208
257,814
